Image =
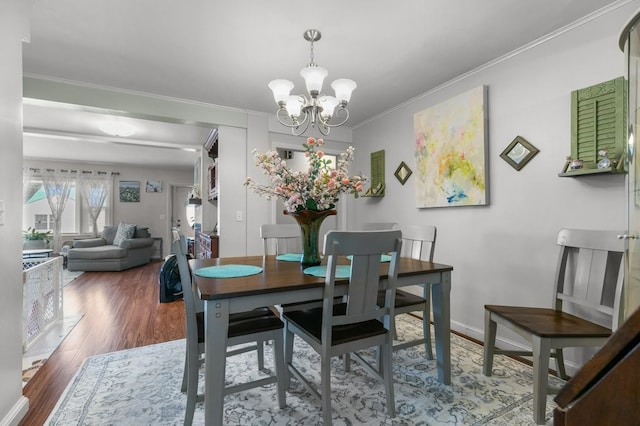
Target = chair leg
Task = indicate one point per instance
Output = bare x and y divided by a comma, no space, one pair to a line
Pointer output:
325,380
541,353
288,354
183,387
489,343
260,349
281,375
426,317
560,364
193,366
392,327
386,368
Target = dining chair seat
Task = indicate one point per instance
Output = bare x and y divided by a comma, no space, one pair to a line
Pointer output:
547,322
341,334
257,320
403,299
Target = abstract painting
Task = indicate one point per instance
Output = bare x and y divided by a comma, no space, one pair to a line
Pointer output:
451,152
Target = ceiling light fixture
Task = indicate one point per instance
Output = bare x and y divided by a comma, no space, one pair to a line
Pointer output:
315,108
115,128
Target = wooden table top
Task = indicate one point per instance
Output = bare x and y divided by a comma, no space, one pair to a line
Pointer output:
283,275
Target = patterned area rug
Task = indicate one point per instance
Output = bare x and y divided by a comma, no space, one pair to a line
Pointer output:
142,386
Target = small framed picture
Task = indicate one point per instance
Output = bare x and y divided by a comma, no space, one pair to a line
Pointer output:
403,172
519,152
129,191
153,186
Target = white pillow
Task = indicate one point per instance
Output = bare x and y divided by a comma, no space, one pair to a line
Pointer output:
125,232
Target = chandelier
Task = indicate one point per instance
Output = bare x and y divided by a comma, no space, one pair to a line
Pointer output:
319,110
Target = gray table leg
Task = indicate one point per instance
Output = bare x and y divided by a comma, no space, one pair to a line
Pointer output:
440,295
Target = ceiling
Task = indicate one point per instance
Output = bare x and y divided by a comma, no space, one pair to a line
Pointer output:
225,52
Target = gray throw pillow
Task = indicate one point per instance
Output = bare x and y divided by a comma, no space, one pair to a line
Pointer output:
125,232
109,233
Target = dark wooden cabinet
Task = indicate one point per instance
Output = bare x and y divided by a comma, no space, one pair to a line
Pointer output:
206,245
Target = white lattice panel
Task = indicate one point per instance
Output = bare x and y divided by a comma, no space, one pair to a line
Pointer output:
42,297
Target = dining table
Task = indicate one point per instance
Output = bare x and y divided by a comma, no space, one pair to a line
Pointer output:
279,282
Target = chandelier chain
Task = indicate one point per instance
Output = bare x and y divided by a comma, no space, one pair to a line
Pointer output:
312,63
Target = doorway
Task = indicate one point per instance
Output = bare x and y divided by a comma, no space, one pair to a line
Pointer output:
178,212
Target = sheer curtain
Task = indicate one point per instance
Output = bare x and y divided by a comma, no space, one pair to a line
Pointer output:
95,187
57,187
31,182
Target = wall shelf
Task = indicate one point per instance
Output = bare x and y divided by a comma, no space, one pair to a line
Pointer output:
585,172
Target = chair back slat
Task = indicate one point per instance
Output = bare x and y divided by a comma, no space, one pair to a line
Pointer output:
590,275
281,238
419,242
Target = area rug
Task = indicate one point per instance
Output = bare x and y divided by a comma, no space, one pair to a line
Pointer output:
69,276
38,353
142,386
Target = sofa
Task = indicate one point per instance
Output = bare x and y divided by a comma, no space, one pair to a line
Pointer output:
120,247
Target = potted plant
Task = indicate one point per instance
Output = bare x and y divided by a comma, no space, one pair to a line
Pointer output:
34,239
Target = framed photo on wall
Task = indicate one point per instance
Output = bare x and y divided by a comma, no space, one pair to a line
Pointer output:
129,191
153,186
519,152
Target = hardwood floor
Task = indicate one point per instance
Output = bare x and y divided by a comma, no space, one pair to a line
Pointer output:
122,310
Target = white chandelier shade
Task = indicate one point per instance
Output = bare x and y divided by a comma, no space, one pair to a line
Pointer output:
313,108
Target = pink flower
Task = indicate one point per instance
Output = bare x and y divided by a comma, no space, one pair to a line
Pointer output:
318,186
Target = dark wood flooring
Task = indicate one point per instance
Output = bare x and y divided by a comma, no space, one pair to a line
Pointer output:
122,310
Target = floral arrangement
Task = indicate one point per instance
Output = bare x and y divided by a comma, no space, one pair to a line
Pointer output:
316,189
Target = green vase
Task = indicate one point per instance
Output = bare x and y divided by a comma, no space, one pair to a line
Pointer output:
310,222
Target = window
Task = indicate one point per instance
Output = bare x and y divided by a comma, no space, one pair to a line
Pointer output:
75,219
43,222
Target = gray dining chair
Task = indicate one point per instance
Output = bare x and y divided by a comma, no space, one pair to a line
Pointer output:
418,242
356,324
586,308
257,326
281,238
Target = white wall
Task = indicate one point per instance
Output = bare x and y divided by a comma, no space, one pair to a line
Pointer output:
153,209
505,253
13,28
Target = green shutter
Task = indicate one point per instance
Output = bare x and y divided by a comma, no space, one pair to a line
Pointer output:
377,175
598,121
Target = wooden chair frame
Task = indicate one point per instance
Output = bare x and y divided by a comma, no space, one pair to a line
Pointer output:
368,324
195,340
588,292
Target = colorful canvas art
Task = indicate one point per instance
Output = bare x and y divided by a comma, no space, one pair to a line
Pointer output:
451,152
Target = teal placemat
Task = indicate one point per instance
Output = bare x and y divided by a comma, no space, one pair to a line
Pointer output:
228,271
383,258
342,271
289,257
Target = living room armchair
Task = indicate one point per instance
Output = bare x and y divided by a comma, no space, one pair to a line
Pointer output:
119,247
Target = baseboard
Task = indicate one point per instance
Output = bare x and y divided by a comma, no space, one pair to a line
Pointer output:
17,412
